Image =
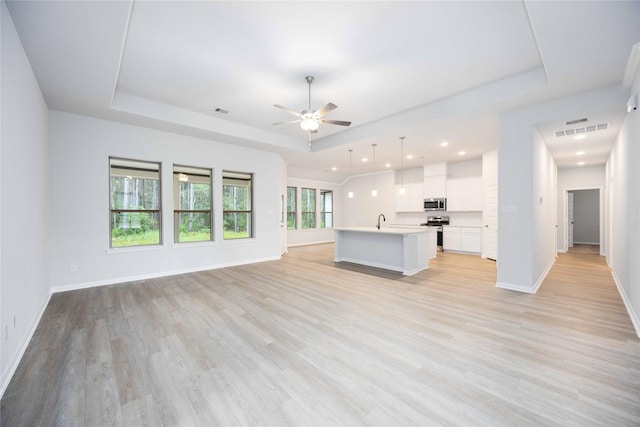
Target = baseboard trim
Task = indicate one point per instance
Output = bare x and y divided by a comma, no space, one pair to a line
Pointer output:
514,287
321,242
12,366
117,280
528,289
635,320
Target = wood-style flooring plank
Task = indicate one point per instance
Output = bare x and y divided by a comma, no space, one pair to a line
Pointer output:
306,341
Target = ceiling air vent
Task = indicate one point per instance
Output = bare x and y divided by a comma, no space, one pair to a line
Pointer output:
221,110
580,130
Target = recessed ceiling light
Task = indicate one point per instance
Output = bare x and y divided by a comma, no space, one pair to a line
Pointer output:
580,136
410,156
580,163
444,143
462,153
364,159
387,165
334,168
579,153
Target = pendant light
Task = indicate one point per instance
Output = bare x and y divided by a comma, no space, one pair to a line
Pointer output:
350,193
374,192
402,189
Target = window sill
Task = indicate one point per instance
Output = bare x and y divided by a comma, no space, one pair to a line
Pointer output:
194,244
127,249
239,241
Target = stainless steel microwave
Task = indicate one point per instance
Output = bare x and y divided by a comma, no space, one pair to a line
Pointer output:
435,204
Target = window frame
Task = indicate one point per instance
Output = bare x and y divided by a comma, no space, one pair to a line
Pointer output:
239,176
123,161
198,173
308,214
323,222
295,208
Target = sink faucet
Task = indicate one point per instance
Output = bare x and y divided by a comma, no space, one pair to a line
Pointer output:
383,218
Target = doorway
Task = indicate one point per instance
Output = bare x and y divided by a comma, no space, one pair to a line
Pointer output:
583,221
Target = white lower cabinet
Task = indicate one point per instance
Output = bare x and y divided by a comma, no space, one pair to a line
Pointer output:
451,238
471,239
462,239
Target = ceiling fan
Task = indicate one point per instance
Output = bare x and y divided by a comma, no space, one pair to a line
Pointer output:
310,119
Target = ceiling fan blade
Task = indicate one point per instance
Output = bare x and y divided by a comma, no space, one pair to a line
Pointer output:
286,123
288,110
324,110
335,122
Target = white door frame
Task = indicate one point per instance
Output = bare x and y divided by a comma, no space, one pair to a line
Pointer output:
565,216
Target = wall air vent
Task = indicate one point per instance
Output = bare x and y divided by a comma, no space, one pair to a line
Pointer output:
575,122
581,130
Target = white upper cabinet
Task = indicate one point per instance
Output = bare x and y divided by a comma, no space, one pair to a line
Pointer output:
412,200
435,186
464,194
435,180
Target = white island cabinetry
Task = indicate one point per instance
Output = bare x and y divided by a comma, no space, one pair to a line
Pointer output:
397,249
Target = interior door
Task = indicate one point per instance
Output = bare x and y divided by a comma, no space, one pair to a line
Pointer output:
491,222
569,220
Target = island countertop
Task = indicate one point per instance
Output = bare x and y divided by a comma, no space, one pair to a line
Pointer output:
388,230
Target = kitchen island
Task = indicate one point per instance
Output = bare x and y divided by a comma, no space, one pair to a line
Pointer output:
398,249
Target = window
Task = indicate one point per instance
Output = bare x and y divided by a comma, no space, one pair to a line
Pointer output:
326,209
291,208
135,203
308,201
237,205
192,217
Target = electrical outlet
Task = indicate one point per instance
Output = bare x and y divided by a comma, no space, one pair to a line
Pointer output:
73,268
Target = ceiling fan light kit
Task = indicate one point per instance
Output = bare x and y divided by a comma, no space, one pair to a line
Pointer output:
310,119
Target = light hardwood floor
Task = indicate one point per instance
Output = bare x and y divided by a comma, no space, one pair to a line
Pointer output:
304,341
584,248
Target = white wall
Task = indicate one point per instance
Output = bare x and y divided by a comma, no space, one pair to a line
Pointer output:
464,169
363,209
316,235
573,179
24,278
521,256
544,210
622,217
586,216
80,148
490,168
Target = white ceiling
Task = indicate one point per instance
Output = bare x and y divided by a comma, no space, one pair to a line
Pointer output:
429,71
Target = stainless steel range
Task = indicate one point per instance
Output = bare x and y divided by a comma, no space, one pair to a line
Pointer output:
437,222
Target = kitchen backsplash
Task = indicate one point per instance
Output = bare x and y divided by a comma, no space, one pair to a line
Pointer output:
460,219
